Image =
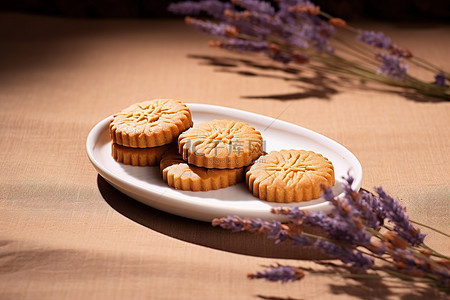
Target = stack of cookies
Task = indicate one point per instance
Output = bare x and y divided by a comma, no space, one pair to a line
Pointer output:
142,132
211,155
214,154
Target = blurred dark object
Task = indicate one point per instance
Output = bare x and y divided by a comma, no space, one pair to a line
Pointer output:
389,10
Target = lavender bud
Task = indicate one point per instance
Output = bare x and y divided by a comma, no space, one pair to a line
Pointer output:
439,79
255,5
391,66
375,39
243,45
214,8
395,213
279,273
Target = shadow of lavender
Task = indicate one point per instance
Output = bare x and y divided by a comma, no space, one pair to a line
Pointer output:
368,288
309,83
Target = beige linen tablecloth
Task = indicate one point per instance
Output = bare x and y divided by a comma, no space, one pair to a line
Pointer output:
67,234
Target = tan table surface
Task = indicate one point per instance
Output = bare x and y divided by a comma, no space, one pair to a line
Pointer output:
67,234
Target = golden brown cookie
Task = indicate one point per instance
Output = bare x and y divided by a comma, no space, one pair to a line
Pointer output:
139,156
150,123
290,176
183,176
221,144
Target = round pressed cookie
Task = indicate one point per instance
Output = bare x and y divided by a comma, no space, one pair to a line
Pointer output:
290,176
221,144
150,123
183,176
139,156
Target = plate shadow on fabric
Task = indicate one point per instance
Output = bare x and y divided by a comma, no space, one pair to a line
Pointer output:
198,232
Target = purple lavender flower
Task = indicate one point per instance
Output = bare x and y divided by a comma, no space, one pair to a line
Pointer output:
376,39
254,23
214,8
370,210
439,79
222,29
276,232
285,11
342,228
368,207
303,30
414,265
248,28
237,224
346,255
294,213
319,34
298,41
347,223
348,216
396,214
274,229
279,273
256,6
263,20
391,66
301,240
243,45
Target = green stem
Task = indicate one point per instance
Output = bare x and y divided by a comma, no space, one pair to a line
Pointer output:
434,252
353,69
350,275
439,70
429,227
424,66
357,52
406,277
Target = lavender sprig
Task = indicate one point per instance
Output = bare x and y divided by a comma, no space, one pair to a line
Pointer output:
356,259
298,29
391,66
273,229
395,213
241,45
375,39
353,233
279,273
439,79
221,29
255,5
214,8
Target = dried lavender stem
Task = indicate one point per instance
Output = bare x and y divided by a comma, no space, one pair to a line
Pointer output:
416,60
348,27
368,74
404,276
357,50
345,245
429,227
351,275
423,256
447,74
425,66
434,252
420,86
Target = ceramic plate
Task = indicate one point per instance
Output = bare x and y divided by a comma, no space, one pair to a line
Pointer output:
145,184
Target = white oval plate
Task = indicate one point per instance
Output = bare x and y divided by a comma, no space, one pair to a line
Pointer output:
145,184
